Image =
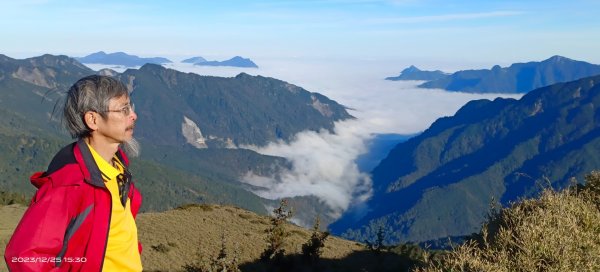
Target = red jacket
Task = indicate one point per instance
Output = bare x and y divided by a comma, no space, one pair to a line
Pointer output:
66,225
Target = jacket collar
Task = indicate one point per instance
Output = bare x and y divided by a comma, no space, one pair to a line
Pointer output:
89,168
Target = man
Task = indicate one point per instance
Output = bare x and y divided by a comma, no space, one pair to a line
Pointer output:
82,217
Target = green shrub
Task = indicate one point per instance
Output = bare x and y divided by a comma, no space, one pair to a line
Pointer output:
378,245
592,186
276,233
313,248
220,263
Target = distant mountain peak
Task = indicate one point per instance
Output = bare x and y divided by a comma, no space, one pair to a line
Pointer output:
194,60
101,53
121,54
151,66
517,78
243,75
236,61
558,59
411,69
414,73
120,58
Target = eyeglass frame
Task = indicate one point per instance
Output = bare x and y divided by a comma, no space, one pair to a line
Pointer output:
126,110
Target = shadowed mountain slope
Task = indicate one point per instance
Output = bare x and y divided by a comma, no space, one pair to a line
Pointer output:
441,183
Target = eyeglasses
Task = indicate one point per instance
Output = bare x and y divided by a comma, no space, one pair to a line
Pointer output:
124,110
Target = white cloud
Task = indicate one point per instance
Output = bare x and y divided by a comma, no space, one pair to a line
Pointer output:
323,163
322,166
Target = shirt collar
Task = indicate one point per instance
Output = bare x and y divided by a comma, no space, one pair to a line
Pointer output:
108,171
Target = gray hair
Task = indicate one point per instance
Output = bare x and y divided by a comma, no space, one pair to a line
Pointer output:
91,93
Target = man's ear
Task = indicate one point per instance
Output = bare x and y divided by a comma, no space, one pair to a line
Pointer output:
91,120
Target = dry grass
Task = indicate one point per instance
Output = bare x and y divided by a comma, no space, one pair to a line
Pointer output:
174,238
9,218
560,231
197,233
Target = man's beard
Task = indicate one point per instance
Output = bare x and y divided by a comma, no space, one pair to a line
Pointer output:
131,148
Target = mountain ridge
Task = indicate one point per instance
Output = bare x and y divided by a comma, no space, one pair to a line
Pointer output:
440,183
414,73
517,78
194,60
236,61
253,111
120,58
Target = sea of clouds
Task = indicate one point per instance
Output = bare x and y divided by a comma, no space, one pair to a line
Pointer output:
323,162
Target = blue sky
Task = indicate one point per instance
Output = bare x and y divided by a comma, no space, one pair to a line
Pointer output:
340,48
494,31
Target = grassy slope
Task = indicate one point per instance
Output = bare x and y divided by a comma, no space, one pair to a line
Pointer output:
177,237
196,231
10,218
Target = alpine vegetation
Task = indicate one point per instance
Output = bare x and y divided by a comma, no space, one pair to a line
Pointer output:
559,231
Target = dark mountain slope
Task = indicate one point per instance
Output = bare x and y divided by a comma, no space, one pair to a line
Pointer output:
442,182
227,111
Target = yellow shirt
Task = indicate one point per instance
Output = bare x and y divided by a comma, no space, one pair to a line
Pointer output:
122,247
